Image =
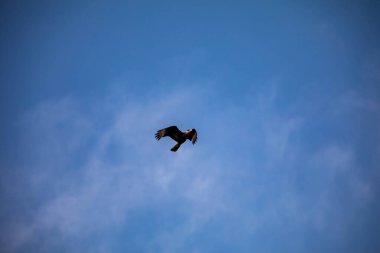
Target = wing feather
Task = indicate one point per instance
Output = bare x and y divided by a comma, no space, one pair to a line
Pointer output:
172,131
194,137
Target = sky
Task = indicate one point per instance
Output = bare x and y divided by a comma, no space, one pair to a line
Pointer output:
285,97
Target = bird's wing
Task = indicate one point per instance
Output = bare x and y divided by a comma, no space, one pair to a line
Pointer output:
194,137
172,131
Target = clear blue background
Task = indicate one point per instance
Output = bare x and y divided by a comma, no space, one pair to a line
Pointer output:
284,95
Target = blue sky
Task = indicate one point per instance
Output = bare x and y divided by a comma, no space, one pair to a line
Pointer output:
284,95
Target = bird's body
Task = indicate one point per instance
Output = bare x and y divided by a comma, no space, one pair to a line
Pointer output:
180,137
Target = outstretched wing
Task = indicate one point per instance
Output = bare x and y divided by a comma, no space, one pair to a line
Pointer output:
194,136
172,131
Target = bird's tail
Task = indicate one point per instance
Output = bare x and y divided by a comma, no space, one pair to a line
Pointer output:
176,147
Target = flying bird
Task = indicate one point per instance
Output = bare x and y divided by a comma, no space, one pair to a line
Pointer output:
180,137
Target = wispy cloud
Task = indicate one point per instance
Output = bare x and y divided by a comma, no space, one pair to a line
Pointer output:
123,167
107,175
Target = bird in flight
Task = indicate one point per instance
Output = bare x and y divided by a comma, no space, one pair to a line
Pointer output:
180,137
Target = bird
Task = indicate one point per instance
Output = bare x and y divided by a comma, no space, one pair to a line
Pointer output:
180,137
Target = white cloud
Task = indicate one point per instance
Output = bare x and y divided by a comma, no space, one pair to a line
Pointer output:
147,172
223,180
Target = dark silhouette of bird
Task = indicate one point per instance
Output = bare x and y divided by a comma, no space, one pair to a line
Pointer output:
180,137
